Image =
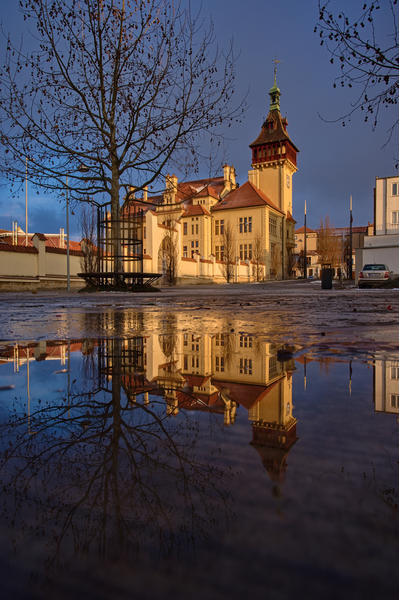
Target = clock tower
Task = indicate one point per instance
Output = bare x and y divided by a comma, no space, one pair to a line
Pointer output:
274,156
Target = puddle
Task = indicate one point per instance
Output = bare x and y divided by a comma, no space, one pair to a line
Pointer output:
192,464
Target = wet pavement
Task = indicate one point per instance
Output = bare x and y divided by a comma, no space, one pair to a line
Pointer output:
211,441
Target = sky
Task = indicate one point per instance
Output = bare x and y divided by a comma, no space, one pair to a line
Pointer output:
334,162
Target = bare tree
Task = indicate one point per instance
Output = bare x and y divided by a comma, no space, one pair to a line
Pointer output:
290,262
275,260
328,244
257,256
170,253
123,89
367,50
88,229
228,243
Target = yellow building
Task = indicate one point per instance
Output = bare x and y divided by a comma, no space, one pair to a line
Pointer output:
224,231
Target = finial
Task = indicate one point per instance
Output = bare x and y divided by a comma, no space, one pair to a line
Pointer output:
275,68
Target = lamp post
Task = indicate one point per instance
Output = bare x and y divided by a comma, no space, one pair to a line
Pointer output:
82,169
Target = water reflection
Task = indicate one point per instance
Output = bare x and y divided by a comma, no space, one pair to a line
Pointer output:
118,447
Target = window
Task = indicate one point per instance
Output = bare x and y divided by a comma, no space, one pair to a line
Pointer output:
145,233
394,372
395,217
219,363
221,252
250,251
216,227
196,229
394,189
245,224
192,229
273,226
184,228
245,252
192,244
221,227
394,401
185,251
272,365
196,244
245,366
241,254
219,339
245,341
217,255
185,363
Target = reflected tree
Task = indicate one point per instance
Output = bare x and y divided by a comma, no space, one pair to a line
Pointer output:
108,474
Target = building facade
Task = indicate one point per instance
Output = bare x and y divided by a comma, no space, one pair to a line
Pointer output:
383,246
219,231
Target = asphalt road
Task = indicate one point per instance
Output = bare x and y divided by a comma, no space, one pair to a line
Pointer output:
293,312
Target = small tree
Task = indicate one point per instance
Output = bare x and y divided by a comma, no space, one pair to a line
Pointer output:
301,262
170,253
229,244
290,262
275,260
88,229
257,256
328,244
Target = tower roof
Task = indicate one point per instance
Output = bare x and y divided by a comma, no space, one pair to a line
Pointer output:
274,129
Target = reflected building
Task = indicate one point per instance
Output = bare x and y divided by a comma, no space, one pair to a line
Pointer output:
216,373
386,386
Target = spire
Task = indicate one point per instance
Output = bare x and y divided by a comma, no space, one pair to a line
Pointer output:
274,91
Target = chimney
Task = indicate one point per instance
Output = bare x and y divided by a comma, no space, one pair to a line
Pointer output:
233,177
227,182
145,193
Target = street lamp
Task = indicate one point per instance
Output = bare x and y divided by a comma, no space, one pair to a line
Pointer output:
82,169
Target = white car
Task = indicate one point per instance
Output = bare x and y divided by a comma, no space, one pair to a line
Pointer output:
373,275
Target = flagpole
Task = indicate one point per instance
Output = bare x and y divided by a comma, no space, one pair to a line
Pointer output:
350,241
305,269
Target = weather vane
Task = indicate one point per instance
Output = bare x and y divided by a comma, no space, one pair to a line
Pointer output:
275,64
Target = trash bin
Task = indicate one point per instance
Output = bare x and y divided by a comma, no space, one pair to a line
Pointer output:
326,277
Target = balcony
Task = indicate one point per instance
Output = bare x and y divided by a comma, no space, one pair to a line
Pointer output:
391,228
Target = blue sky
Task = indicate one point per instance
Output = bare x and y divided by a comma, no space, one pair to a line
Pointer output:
334,161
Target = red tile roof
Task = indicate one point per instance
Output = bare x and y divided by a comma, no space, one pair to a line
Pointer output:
23,249
278,133
72,252
245,196
244,394
302,230
290,217
196,209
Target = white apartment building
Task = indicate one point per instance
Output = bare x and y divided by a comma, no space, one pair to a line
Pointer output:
383,246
